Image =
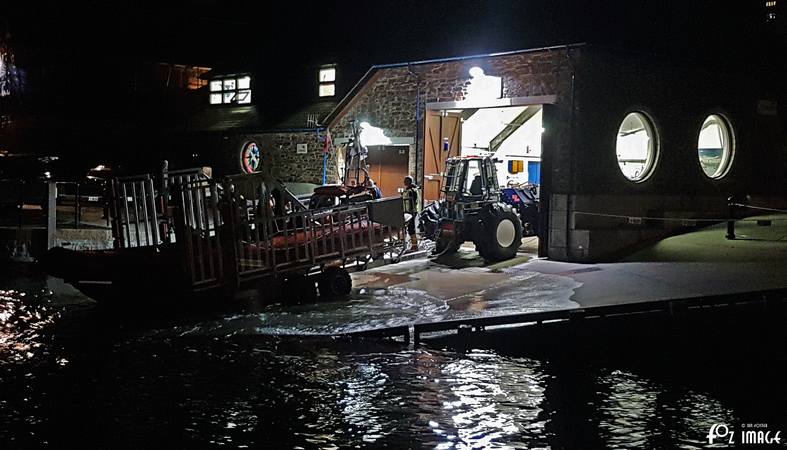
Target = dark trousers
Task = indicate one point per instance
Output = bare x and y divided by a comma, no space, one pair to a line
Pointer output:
411,226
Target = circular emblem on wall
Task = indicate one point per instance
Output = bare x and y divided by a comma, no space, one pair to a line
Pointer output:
250,157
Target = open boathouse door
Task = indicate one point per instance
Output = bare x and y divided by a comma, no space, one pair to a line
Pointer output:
513,131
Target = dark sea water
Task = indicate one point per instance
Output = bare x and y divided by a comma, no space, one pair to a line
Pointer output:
73,376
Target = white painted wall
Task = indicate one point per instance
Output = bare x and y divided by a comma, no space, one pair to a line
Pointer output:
524,143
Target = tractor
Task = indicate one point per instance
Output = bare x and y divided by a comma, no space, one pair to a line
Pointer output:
471,210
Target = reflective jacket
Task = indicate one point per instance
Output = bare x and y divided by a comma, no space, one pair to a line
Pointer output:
410,197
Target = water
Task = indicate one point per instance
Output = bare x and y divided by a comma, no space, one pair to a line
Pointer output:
71,377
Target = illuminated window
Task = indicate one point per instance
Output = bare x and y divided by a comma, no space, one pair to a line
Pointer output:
637,147
715,146
327,90
327,75
230,90
770,3
327,80
243,96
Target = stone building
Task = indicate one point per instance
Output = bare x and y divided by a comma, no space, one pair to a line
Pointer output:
624,148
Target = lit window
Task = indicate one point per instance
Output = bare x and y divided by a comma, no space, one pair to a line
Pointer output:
636,147
235,90
715,146
327,80
327,90
243,96
327,75
770,3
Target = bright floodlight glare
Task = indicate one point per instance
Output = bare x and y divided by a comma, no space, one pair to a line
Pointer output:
372,135
476,72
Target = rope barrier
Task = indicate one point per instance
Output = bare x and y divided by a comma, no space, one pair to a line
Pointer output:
634,219
760,208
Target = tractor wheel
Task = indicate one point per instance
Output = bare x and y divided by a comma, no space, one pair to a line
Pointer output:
334,282
500,233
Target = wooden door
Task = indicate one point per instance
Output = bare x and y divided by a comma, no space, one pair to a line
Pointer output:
440,126
388,166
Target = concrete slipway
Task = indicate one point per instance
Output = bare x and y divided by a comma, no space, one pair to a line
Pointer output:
693,270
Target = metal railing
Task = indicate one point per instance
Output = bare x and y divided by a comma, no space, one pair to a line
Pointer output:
139,207
24,203
247,227
198,222
134,212
71,193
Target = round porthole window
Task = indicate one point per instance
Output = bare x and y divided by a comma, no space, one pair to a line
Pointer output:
715,147
636,147
250,157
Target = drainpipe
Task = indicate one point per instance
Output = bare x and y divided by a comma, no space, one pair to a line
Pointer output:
418,117
572,159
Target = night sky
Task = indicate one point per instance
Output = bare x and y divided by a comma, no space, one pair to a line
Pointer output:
286,40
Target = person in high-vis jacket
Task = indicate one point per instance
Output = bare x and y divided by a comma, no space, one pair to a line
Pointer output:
410,198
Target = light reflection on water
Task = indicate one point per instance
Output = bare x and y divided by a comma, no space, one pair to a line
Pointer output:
133,388
24,321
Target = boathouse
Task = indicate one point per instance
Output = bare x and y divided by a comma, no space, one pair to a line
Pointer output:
623,148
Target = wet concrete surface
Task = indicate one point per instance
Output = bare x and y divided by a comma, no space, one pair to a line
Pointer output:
416,291
459,286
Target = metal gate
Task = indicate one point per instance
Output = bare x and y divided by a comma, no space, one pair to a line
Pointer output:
198,223
134,212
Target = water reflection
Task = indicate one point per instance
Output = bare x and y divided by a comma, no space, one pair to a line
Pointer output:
197,386
642,414
24,325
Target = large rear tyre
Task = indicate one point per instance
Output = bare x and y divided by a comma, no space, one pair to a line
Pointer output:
334,282
500,233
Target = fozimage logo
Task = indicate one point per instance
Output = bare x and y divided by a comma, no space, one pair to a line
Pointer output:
750,433
719,431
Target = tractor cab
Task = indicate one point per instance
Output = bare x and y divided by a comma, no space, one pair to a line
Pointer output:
471,178
470,185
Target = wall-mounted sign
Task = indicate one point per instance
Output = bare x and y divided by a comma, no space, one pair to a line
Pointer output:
250,157
230,90
301,148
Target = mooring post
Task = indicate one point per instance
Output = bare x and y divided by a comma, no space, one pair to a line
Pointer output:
731,222
51,214
463,332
